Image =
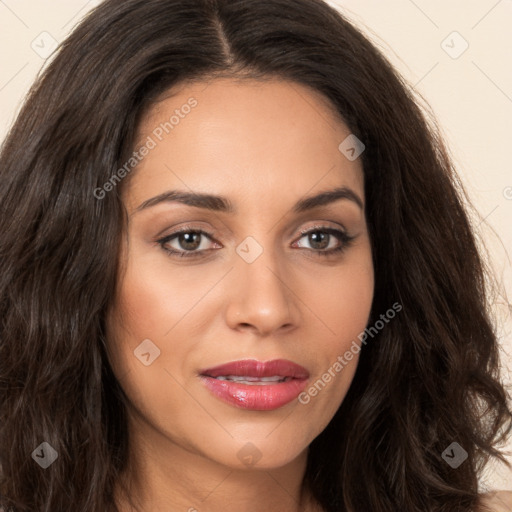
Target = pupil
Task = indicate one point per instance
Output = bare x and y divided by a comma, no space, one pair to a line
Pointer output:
314,238
188,240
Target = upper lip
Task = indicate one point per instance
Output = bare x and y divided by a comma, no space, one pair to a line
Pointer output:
254,368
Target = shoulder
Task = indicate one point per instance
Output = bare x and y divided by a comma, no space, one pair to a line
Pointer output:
497,501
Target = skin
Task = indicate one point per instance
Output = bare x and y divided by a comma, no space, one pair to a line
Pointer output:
263,145
497,501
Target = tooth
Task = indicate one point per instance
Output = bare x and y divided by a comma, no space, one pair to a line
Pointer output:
253,380
238,378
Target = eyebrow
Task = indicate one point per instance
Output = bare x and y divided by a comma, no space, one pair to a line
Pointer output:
223,204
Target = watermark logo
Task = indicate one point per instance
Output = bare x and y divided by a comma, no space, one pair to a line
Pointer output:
249,249
454,45
249,454
44,45
45,455
352,147
147,352
454,455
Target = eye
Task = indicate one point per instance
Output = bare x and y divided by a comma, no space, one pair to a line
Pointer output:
320,239
188,241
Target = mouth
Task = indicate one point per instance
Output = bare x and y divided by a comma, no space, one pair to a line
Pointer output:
256,385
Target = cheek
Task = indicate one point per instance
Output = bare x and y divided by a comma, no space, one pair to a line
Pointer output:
345,299
147,308
342,298
342,301
152,299
142,311
156,301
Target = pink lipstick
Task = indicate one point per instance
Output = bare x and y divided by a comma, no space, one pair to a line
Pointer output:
256,385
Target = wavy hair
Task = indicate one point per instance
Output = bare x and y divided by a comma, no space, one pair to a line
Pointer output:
428,379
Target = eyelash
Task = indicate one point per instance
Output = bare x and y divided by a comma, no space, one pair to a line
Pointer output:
345,239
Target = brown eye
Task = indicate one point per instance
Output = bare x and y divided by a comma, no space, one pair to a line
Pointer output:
189,241
321,238
186,242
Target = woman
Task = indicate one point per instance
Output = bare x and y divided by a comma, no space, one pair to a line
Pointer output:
238,274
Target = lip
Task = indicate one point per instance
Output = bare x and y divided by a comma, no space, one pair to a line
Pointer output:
259,397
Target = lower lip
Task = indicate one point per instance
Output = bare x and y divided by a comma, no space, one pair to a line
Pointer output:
255,397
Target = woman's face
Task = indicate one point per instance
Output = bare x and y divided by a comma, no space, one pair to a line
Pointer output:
253,287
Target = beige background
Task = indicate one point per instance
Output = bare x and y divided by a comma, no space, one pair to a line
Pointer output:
466,77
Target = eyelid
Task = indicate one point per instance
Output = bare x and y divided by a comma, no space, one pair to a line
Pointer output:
319,227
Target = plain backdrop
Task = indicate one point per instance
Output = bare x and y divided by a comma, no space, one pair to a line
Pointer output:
457,54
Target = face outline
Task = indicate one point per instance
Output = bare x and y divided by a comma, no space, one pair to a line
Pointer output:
264,146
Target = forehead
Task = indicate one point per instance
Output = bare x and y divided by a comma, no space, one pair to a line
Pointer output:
243,137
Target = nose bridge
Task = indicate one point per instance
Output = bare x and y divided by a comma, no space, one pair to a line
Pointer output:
262,296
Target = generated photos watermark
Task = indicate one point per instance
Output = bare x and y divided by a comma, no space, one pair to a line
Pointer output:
158,133
343,360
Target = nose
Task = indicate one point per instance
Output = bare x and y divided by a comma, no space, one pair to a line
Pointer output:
261,298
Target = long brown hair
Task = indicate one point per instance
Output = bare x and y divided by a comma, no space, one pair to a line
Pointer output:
428,379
